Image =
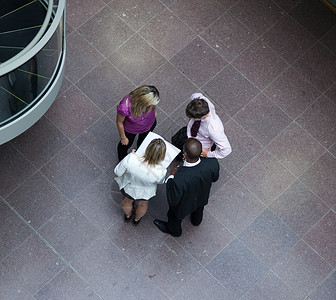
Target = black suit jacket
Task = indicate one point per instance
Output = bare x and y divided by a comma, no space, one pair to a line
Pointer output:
190,187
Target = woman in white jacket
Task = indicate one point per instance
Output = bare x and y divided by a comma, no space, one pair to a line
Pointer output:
138,178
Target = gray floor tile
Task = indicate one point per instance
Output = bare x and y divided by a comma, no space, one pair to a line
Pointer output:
314,16
136,59
234,206
13,231
326,290
302,269
204,286
260,64
318,65
79,11
98,204
135,13
167,2
33,264
71,171
292,92
332,149
167,34
299,208
228,36
244,146
105,85
288,5
198,62
37,200
319,120
262,119
136,242
66,285
11,288
265,177
170,266
331,93
231,90
136,286
13,167
296,149
224,177
320,178
268,237
205,241
322,238
98,143
258,16
98,31
81,57
175,89
190,10
69,232
103,265
73,113
329,41
237,268
270,287
41,142
289,39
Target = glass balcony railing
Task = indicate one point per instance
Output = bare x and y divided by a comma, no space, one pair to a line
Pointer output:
32,53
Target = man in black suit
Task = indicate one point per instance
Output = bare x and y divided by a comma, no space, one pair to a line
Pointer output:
188,188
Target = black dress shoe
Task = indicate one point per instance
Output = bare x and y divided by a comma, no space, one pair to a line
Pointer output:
161,225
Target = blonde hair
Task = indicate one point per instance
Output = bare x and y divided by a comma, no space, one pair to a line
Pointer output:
155,152
143,98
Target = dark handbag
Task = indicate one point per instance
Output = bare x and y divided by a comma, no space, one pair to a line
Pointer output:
179,138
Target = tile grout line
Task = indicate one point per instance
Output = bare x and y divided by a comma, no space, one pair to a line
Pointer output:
67,264
322,282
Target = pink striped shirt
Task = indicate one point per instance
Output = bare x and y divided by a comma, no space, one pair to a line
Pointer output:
211,131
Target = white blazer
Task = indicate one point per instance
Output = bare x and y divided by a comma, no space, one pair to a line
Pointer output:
138,179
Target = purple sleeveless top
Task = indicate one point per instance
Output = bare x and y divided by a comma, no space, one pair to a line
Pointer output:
140,125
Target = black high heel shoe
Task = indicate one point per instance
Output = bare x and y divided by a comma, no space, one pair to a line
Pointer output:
136,223
127,219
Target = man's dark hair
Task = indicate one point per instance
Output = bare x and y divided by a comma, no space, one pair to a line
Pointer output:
193,149
197,108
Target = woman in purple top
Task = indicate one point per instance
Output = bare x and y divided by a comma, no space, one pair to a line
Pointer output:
136,114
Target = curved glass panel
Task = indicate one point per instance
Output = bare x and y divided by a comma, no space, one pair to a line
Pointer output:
19,24
22,88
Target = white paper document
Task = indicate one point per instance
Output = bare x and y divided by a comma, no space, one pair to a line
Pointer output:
171,150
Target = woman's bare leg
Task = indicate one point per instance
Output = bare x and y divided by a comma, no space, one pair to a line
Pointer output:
141,209
127,206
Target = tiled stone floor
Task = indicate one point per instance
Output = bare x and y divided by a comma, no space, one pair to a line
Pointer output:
269,231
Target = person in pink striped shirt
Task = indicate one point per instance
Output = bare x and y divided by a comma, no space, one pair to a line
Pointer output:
207,127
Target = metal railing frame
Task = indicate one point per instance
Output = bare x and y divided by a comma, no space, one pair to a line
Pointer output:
40,40
25,120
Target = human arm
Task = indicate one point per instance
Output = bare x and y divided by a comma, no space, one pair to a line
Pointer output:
204,152
121,168
223,147
172,172
163,179
120,126
173,192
